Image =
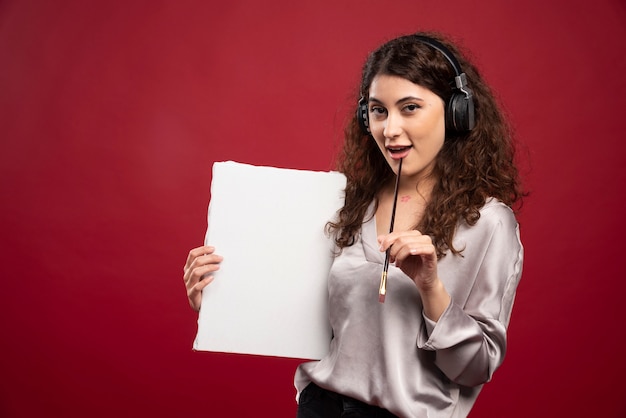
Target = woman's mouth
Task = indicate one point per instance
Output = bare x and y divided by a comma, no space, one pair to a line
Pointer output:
398,152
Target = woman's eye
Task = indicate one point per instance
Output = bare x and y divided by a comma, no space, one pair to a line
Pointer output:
411,107
376,111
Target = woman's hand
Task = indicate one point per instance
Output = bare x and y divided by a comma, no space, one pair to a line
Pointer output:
416,256
201,262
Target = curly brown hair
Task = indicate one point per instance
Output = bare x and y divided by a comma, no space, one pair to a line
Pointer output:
470,168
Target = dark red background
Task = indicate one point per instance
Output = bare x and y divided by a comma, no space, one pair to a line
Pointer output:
112,113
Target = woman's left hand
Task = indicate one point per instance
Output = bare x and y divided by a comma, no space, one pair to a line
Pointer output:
415,255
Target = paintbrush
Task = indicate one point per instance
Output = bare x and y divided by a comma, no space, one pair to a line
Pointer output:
382,289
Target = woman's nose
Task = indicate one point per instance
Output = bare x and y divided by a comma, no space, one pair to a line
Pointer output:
393,125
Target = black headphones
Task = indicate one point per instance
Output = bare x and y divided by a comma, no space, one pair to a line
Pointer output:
460,107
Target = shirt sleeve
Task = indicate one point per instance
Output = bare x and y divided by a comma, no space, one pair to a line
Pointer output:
469,339
429,324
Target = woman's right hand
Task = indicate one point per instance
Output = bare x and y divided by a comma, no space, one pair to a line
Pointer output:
201,262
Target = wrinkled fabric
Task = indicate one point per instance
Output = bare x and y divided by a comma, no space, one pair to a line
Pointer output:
390,355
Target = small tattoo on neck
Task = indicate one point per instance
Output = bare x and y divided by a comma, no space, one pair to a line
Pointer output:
405,198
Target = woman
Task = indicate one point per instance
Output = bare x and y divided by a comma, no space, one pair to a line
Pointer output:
426,119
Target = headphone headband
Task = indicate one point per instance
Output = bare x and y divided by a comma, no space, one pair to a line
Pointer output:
460,81
445,51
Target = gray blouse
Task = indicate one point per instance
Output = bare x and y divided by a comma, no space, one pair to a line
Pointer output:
389,354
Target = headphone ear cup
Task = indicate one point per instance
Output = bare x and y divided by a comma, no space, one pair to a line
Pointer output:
362,117
460,113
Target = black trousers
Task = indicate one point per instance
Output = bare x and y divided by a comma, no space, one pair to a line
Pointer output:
315,402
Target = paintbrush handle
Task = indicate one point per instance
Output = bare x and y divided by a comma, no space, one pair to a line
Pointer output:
382,289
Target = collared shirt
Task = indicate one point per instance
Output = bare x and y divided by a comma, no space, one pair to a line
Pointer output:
389,354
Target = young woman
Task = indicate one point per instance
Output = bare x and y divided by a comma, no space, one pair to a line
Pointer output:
429,137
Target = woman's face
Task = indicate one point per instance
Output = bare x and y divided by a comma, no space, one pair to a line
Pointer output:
407,122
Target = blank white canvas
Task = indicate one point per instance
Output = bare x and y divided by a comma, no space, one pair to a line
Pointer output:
270,296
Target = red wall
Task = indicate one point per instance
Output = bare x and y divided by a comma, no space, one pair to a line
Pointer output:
111,114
